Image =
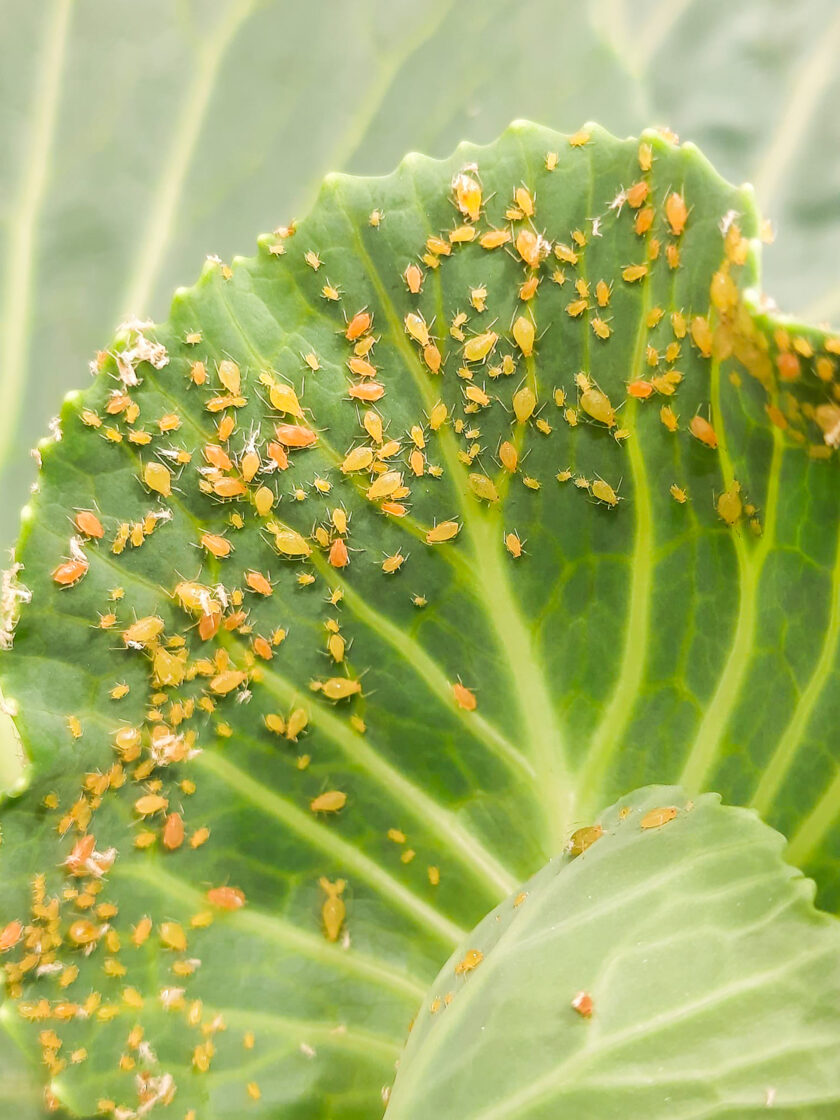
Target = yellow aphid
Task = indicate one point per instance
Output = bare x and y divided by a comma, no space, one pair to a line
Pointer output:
494,238
359,459
375,218
524,201
283,397
523,333
158,478
230,376
513,544
445,531
668,417
330,802
471,959
416,326
149,804
437,247
729,504
678,494
75,726
339,688
655,818
584,838
524,403
604,492
227,681
173,937
676,212
143,631
701,333
645,156
297,722
393,563
483,487
576,307
571,417
477,348
263,501
634,272
597,405
312,259
477,395
330,292
333,911
289,543
601,327
384,486
461,234
551,159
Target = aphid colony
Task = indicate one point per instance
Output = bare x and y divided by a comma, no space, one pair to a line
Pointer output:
239,441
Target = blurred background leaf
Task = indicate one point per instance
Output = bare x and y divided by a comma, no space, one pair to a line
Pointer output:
138,138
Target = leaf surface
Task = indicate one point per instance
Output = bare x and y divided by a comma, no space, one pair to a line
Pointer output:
378,593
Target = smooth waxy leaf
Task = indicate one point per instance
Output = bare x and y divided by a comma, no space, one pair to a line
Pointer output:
130,156
363,581
670,966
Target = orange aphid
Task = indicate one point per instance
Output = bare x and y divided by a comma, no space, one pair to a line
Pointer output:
295,435
582,1003
676,212
277,453
10,935
70,572
339,557
641,390
701,429
413,277
789,366
259,583
173,832
464,697
226,898
370,392
357,326
89,524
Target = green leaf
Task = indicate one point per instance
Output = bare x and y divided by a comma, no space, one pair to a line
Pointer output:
113,189
374,686
674,968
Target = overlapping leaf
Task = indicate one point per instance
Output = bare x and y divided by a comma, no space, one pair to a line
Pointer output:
670,965
371,571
